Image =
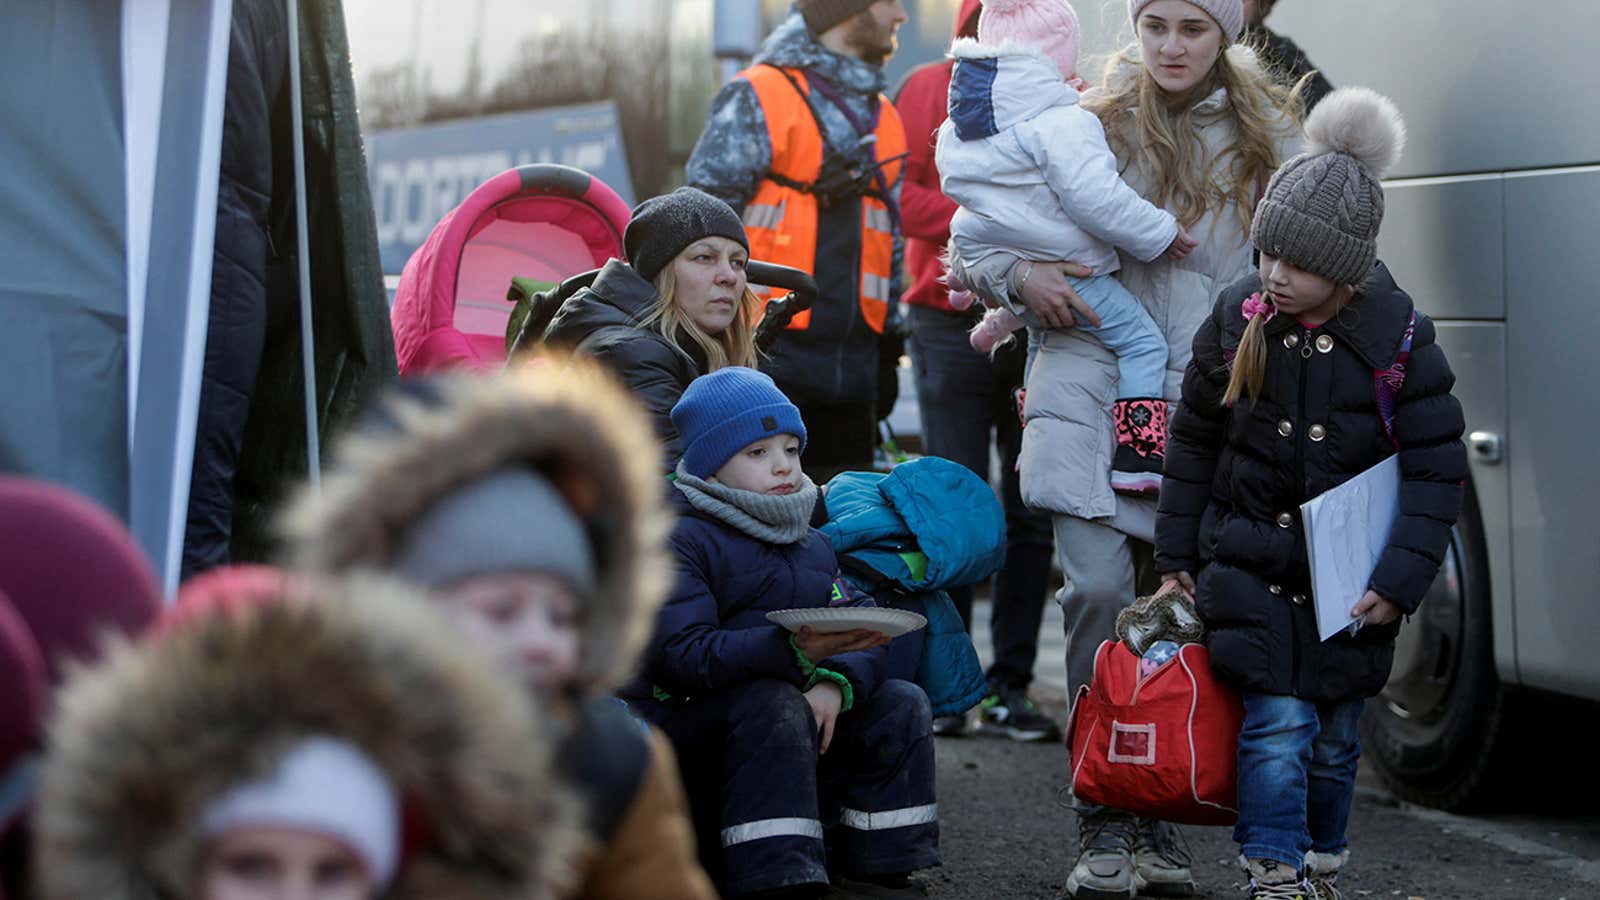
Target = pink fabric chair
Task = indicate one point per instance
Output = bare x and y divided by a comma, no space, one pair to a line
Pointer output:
545,222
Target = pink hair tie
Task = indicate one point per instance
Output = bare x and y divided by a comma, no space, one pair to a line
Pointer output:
1255,305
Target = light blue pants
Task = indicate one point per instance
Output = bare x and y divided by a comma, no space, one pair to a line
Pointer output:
1126,330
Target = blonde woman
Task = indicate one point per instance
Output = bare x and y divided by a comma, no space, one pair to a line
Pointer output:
679,310
1197,128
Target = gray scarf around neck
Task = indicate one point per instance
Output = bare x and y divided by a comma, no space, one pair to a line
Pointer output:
774,518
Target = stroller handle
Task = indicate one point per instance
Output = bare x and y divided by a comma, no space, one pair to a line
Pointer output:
802,293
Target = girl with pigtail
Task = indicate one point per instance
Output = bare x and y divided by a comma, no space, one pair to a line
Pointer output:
1306,374
1197,126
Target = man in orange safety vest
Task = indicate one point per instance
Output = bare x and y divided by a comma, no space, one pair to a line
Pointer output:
805,144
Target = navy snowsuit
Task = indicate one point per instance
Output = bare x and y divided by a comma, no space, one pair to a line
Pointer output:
726,686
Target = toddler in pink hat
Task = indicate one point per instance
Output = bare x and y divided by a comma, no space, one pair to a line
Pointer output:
1035,178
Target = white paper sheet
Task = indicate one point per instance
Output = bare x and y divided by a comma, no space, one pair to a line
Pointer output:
1346,531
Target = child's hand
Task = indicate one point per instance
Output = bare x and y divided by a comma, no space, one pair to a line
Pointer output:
1377,610
825,699
1181,246
1183,581
818,646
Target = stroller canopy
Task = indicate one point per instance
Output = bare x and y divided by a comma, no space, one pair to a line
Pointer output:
545,222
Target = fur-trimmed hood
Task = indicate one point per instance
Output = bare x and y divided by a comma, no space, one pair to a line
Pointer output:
143,742
567,419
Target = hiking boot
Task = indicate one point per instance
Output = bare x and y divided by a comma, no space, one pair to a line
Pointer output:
1161,860
1010,712
1104,870
1141,427
1273,880
958,725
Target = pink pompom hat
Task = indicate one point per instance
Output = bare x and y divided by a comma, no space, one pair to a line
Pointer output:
1049,26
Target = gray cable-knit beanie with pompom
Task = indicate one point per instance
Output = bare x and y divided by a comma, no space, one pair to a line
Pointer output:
1322,209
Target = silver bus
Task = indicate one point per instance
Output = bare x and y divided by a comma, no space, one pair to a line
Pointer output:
1493,226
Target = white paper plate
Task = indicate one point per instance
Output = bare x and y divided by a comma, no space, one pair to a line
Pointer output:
893,622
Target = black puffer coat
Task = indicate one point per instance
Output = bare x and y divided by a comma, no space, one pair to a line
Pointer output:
1235,479
606,321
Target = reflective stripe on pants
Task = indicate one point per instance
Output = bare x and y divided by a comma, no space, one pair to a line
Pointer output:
768,828
890,818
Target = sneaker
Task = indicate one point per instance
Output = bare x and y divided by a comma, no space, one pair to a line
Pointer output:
959,725
1272,880
1161,860
1322,874
1323,887
1104,870
1010,712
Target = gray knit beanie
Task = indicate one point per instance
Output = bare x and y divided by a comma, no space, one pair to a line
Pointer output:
820,15
1322,209
662,226
511,520
1229,14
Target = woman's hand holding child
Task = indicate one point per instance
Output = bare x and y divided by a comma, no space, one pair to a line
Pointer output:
825,700
817,646
1045,290
1376,609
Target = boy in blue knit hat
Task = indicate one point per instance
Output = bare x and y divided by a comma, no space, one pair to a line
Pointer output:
789,744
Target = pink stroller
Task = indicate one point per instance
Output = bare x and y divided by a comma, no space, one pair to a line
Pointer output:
543,222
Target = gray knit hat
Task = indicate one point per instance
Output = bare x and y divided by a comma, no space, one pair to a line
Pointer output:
820,15
511,520
662,226
1322,209
1229,14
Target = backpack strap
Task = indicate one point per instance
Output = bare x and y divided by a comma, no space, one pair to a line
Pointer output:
1388,381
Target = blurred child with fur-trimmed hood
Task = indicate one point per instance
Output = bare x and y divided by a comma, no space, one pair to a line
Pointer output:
331,742
530,506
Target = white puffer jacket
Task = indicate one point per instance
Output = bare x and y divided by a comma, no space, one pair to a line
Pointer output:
1068,439
1031,168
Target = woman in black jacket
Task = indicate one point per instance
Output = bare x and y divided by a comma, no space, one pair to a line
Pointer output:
1302,379
682,308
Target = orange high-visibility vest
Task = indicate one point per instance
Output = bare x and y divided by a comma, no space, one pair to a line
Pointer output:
781,220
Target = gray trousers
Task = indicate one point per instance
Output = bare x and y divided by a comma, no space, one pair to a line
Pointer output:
1106,563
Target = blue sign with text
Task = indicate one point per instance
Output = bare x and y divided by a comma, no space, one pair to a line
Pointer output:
420,174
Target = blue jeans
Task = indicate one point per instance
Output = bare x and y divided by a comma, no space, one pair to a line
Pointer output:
1297,776
1125,328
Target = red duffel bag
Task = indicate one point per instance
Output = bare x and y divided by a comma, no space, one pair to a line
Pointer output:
1165,747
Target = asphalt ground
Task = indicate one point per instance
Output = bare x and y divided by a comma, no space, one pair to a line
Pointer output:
1006,833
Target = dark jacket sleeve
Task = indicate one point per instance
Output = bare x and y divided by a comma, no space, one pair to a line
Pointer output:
865,668
1433,469
1286,56
924,208
691,652
1199,428
734,152
653,373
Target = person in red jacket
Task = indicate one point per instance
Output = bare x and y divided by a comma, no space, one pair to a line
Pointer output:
966,403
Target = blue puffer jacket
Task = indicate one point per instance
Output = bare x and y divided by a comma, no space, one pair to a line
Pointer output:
713,633
907,537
